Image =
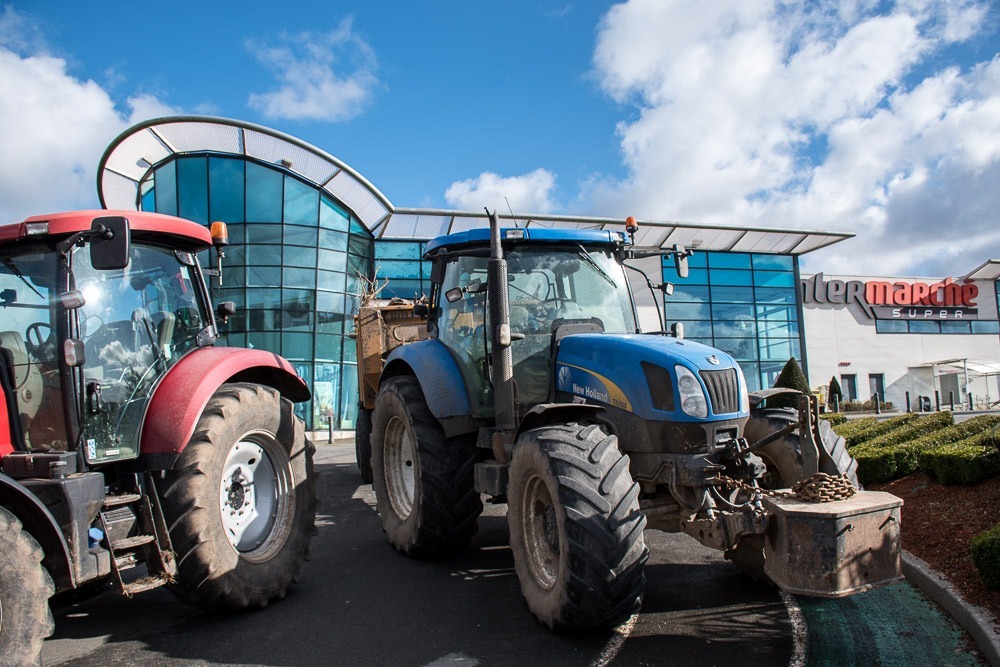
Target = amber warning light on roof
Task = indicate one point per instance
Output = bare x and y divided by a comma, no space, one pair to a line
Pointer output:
220,234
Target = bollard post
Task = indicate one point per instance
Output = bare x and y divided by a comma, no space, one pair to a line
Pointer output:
937,400
908,401
970,401
329,420
951,400
878,405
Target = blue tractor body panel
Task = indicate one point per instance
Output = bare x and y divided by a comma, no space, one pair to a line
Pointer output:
438,374
620,371
534,235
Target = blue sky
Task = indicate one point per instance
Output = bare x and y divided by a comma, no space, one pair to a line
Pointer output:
880,118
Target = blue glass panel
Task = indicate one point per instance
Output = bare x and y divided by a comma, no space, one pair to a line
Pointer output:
985,327
689,293
225,189
773,262
328,348
332,240
263,298
780,329
299,256
235,254
695,276
292,277
398,250
954,327
148,202
265,340
358,228
775,295
264,276
166,188
358,265
751,371
235,294
687,311
332,260
301,203
231,275
332,216
732,294
361,245
923,326
298,235
773,279
332,302
728,260
890,326
263,234
304,410
730,277
351,357
699,260
693,328
779,348
732,311
741,348
332,323
237,233
264,255
264,319
296,346
192,188
264,198
735,329
776,313
234,340
330,280
326,392
405,289
398,269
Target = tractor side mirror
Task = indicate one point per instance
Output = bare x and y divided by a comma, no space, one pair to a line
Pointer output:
109,244
681,260
225,310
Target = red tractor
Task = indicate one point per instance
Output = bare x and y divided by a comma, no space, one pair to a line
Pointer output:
127,438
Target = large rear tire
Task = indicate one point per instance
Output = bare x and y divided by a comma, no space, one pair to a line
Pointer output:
363,444
25,589
240,502
783,459
575,527
424,482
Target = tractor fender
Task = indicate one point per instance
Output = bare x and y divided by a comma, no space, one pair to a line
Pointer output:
545,414
39,522
440,380
183,393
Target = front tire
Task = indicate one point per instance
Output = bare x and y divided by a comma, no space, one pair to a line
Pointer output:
25,589
575,527
424,482
363,444
240,502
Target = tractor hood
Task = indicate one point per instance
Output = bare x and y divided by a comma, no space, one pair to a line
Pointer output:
639,373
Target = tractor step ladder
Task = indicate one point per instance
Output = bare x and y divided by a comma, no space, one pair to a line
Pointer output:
136,533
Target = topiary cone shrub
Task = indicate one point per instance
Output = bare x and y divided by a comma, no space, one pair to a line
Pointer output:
986,556
835,390
791,377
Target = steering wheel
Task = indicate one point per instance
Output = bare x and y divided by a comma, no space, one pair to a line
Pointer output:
41,347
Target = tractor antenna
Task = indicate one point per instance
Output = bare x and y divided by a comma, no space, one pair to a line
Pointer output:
511,211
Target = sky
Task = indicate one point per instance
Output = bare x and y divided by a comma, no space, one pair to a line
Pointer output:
878,118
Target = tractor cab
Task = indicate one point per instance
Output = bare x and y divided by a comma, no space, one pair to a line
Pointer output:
95,311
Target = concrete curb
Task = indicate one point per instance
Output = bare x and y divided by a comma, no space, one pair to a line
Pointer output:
976,621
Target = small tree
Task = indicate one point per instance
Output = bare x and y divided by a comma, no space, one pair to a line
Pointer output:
791,377
835,390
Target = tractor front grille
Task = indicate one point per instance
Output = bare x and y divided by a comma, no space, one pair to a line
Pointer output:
723,390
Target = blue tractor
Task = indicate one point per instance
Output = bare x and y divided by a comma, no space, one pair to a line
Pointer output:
534,386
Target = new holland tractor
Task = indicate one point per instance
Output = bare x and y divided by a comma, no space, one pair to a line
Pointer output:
132,450
532,385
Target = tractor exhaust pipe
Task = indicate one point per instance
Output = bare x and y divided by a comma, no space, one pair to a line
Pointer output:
502,360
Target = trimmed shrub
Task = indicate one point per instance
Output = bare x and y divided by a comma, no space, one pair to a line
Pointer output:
986,556
852,426
876,428
881,459
906,430
790,377
835,390
965,462
834,418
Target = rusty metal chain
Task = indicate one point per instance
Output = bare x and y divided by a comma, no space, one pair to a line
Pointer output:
818,488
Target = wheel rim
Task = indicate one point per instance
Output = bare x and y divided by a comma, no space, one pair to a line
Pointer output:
400,467
254,496
541,532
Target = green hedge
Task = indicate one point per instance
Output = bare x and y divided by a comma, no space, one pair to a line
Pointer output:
852,426
865,432
965,462
986,556
834,418
897,454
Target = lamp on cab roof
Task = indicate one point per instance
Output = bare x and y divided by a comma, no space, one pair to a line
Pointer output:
220,239
631,226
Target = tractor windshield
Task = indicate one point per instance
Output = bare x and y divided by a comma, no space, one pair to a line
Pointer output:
548,286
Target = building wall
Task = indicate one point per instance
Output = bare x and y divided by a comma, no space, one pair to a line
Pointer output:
843,339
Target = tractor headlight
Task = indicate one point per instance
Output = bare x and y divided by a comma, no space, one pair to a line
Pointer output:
693,401
744,392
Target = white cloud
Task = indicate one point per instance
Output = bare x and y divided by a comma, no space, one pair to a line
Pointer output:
531,192
53,126
326,77
812,115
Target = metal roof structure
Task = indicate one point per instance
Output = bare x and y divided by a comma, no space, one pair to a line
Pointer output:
130,157
988,270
